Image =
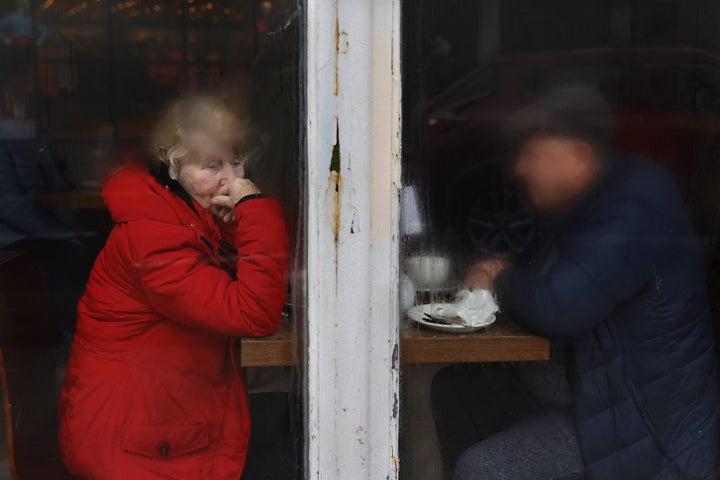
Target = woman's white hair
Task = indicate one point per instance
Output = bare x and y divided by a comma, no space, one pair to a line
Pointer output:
190,122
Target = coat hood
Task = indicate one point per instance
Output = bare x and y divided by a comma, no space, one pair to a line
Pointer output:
132,193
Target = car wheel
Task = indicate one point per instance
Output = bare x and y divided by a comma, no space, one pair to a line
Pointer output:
499,222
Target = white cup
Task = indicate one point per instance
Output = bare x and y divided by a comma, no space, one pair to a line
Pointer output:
429,272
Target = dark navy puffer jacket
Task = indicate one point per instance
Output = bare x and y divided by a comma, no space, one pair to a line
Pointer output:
621,278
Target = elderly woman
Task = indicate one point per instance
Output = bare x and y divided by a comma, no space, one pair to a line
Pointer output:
197,258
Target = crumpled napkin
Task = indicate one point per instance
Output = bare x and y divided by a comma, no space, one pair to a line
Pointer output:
474,308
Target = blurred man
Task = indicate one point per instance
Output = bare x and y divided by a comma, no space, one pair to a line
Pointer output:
616,273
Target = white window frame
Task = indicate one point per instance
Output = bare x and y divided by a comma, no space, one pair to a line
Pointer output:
353,114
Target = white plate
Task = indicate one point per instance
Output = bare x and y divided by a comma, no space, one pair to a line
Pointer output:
436,290
417,313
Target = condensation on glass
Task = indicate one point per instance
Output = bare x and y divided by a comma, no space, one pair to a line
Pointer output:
82,84
467,68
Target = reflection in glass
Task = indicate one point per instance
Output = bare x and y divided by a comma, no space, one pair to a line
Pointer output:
470,72
82,84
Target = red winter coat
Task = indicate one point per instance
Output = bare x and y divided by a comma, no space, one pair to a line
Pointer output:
152,389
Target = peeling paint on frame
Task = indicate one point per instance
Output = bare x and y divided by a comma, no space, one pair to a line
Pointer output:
334,189
353,212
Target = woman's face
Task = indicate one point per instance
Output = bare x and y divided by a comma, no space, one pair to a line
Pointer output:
207,176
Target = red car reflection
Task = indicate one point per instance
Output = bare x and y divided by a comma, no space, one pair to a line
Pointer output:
666,105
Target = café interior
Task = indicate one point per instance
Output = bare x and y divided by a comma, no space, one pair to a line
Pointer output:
83,82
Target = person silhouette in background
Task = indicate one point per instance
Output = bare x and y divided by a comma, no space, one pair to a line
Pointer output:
27,167
617,276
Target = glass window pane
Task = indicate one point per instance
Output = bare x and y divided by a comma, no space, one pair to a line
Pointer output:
560,238
151,238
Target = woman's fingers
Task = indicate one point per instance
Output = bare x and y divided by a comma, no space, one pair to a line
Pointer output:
229,217
216,210
222,202
219,210
239,188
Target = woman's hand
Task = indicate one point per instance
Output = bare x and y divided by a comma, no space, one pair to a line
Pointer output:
221,212
224,202
481,276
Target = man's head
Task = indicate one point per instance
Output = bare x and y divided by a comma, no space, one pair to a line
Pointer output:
560,144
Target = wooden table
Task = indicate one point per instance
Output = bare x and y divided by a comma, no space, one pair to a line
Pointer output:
275,350
504,341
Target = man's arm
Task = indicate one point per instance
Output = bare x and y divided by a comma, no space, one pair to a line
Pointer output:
601,267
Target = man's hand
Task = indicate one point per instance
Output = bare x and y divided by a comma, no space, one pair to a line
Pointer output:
481,276
224,202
